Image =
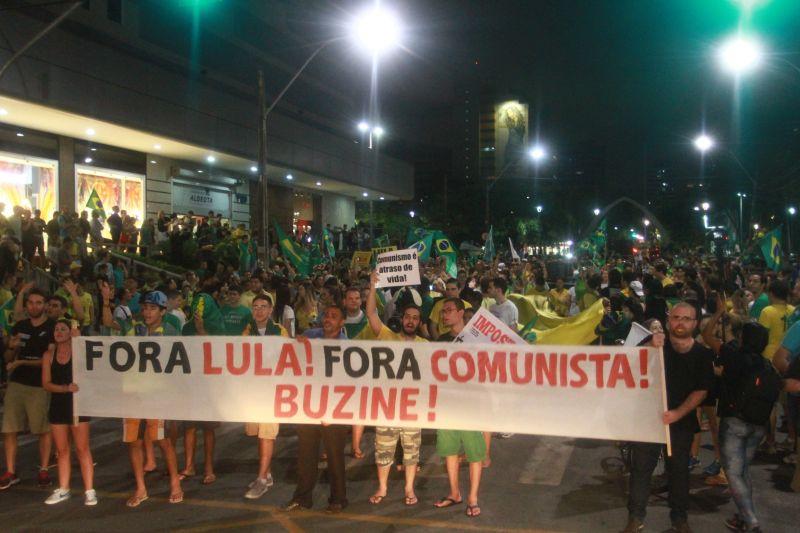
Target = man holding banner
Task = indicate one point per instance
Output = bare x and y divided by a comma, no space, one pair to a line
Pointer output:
688,376
450,441
386,437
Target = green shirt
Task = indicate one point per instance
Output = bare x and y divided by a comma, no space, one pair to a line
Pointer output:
235,319
135,328
172,321
758,305
354,328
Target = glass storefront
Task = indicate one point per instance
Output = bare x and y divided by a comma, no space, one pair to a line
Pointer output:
114,188
28,182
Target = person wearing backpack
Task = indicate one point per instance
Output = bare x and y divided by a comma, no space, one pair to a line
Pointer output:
749,388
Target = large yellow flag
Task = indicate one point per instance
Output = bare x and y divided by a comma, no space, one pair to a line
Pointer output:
535,306
579,331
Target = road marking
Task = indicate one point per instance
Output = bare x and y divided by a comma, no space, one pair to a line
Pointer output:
547,462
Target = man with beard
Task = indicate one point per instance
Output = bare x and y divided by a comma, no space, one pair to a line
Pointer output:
386,437
26,402
332,436
688,373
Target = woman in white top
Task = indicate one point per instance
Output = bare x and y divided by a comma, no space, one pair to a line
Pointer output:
283,313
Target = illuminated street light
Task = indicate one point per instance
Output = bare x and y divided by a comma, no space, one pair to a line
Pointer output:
740,55
703,143
646,222
755,227
697,208
792,211
706,206
375,132
538,153
411,214
377,30
539,208
596,211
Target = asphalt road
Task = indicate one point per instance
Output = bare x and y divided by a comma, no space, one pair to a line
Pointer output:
534,484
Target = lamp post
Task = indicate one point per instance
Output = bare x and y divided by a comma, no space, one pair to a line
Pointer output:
376,30
741,196
792,212
537,154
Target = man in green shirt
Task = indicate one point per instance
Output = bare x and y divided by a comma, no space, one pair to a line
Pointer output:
755,284
235,316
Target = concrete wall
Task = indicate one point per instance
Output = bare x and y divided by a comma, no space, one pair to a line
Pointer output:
124,80
338,210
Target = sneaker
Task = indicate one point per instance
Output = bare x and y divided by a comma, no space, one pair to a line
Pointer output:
258,488
43,479
694,462
9,479
270,482
634,526
58,496
790,459
712,469
90,498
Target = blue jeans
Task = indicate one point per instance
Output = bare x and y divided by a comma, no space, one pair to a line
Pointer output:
738,441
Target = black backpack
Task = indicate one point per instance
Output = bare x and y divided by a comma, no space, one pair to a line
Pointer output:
759,389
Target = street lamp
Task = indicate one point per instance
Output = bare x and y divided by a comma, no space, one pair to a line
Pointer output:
538,153
596,211
755,227
376,30
741,196
539,208
740,55
373,132
706,206
703,143
792,212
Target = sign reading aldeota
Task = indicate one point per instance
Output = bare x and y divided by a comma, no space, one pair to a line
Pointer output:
200,200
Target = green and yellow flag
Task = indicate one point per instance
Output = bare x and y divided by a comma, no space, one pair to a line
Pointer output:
415,235
444,248
95,204
298,256
489,251
770,246
327,238
423,246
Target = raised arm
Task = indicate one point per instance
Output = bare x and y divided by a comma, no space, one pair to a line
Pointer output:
372,305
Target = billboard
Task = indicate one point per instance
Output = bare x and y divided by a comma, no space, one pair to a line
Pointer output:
510,135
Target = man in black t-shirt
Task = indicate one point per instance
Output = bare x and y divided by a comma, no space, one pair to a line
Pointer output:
688,375
26,402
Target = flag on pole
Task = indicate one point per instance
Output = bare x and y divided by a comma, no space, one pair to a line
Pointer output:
514,254
444,248
423,246
415,235
293,252
488,254
328,240
95,204
770,246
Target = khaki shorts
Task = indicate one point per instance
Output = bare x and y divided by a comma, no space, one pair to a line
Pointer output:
133,429
26,407
262,431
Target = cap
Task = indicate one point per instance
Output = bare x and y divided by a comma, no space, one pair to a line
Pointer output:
636,286
156,298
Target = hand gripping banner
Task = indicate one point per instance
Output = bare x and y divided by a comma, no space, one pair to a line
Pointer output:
600,392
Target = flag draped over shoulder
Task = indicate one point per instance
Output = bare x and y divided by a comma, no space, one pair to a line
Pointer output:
488,254
327,239
444,248
294,253
770,246
95,204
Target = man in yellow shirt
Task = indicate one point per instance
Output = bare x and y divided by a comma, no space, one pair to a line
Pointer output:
774,317
386,437
451,290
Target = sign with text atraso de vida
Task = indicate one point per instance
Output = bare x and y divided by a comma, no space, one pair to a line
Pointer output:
397,268
602,392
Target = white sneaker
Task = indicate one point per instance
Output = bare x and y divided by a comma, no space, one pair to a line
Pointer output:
258,488
90,498
58,496
270,482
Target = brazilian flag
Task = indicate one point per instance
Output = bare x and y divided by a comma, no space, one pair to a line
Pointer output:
489,251
94,203
315,258
415,235
296,255
770,246
599,237
444,248
423,246
328,240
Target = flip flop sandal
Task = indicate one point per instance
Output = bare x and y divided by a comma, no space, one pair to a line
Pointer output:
208,480
411,500
136,501
176,498
446,502
184,475
376,499
473,511
358,455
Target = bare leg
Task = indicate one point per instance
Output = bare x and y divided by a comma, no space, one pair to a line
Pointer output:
713,428
209,442
487,438
452,477
189,443
80,434
265,448
411,474
136,453
172,467
475,470
45,448
383,481
10,445
149,453
61,437
358,432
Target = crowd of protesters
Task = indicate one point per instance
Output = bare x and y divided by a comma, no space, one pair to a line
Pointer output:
725,321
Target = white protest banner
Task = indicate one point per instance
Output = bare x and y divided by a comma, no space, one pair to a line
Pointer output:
396,268
601,392
484,327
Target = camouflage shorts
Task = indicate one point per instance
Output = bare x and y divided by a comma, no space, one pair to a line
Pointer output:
386,442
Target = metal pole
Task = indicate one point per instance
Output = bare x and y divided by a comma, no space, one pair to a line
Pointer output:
371,226
741,225
38,36
262,164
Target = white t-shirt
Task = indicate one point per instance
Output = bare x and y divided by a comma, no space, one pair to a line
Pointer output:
507,313
122,312
181,316
288,316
